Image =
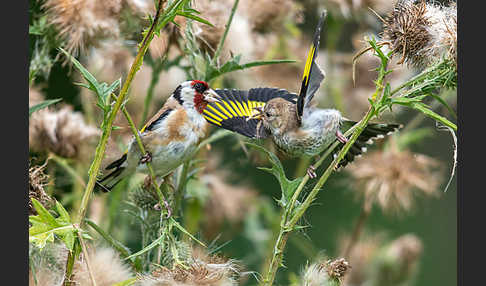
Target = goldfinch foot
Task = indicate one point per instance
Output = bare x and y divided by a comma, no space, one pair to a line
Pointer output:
146,158
311,172
341,137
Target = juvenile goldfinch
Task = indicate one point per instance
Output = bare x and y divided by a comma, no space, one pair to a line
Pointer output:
169,137
296,128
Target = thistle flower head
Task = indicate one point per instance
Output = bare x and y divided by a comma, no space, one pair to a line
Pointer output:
422,33
82,22
37,181
326,272
47,265
361,255
62,132
217,13
106,267
201,269
396,262
391,177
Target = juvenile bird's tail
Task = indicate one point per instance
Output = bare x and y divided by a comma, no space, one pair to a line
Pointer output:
106,183
371,132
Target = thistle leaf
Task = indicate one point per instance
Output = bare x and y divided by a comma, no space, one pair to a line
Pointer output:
287,186
43,104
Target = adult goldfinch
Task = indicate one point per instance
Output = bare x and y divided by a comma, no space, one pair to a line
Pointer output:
296,128
169,137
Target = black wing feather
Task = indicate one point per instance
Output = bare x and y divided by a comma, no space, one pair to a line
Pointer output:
238,105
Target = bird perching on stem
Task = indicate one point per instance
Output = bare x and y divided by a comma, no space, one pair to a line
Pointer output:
296,127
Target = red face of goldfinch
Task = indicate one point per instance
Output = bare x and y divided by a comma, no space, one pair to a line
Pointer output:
169,136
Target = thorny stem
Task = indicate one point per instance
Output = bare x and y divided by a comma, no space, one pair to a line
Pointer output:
107,128
86,257
221,42
69,268
63,163
289,219
143,151
100,149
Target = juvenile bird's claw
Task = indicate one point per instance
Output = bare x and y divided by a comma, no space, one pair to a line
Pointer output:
341,138
167,207
311,172
146,158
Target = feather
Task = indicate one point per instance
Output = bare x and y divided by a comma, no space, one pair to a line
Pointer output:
237,106
313,75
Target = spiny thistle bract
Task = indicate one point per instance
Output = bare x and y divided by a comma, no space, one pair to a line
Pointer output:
37,181
422,33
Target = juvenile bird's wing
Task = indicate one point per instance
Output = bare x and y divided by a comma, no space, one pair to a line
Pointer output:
238,105
313,75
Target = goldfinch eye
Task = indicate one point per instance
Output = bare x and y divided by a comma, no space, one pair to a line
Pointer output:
199,87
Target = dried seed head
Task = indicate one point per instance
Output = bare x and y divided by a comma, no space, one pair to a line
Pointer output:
422,33
360,256
62,132
392,177
48,263
106,266
83,22
326,272
217,13
336,269
201,269
37,181
396,263
35,96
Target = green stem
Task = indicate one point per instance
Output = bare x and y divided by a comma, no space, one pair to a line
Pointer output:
142,151
221,42
289,219
107,126
180,187
69,268
64,164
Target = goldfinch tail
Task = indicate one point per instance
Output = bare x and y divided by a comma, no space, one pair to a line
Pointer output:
107,183
370,133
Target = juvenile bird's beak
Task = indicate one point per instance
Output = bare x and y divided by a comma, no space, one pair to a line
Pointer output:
211,96
256,115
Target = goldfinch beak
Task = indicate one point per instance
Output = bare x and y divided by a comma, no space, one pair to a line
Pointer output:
256,115
211,96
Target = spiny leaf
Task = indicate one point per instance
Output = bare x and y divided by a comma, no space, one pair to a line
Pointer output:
94,85
176,224
44,227
194,17
43,104
148,247
287,186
